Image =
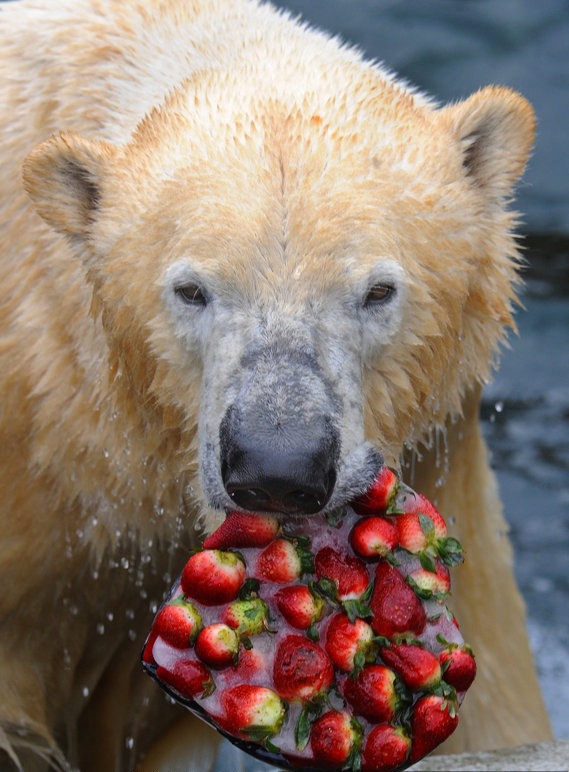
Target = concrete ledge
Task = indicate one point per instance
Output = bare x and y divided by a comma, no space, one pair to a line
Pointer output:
537,757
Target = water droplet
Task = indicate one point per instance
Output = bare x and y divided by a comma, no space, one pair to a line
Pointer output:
79,533
132,635
105,453
499,406
100,628
110,616
452,520
125,563
85,691
129,613
95,574
129,742
153,606
73,610
94,520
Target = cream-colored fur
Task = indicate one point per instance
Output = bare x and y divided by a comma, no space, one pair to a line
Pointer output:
286,171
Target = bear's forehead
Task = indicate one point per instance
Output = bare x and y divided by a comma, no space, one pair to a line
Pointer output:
294,184
351,120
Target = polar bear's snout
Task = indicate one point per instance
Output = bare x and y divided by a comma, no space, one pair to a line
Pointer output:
292,469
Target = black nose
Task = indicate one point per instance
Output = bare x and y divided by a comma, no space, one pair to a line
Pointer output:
269,473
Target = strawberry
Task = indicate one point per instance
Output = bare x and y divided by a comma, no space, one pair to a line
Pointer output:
212,577
283,562
379,495
347,572
253,712
300,607
301,669
415,532
335,739
217,645
428,584
417,667
434,719
422,531
248,617
250,665
350,645
459,666
373,537
397,611
178,623
240,529
147,655
386,749
373,693
188,677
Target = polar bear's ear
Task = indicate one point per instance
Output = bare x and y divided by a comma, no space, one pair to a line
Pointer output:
62,176
495,128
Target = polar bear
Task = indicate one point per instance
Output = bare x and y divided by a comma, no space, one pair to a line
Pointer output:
241,266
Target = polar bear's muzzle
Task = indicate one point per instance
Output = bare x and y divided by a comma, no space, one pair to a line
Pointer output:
291,470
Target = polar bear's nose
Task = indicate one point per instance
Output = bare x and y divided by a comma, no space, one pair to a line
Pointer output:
270,475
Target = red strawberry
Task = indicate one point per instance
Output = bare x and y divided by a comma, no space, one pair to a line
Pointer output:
416,533
251,663
386,749
178,623
372,693
240,529
428,584
350,645
248,617
147,655
299,606
334,738
347,572
213,577
374,536
459,667
283,562
301,669
434,719
217,645
397,611
416,666
253,712
379,495
188,677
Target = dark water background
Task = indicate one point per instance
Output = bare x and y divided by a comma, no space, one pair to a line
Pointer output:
450,48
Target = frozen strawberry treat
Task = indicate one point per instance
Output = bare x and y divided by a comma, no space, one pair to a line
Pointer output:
321,642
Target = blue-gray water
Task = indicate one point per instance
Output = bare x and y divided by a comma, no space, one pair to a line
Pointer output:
450,48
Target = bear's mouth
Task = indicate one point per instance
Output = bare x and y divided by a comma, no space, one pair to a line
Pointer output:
299,495
288,496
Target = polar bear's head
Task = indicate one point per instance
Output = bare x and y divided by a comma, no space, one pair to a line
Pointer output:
309,285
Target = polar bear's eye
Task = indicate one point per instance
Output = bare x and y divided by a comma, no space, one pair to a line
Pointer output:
191,295
379,294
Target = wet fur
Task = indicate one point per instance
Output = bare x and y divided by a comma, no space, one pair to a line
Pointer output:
287,176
